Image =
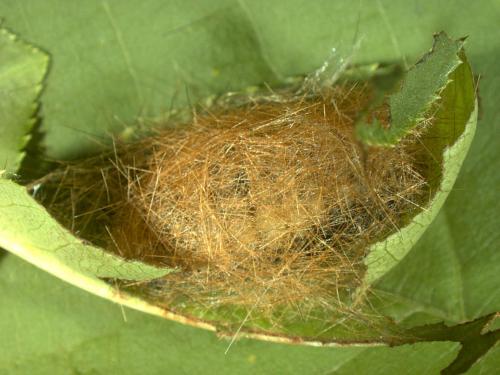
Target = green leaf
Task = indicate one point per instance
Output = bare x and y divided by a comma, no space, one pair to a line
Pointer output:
419,90
447,141
27,230
51,328
82,265
22,69
111,67
450,274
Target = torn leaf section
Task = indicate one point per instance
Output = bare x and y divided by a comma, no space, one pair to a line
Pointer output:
27,230
419,90
446,142
22,70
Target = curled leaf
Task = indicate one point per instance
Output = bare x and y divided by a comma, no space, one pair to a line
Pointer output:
419,90
447,141
22,69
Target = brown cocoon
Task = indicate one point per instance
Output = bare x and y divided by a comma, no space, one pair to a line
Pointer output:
268,204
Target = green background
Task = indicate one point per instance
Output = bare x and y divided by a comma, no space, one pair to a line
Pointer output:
116,61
